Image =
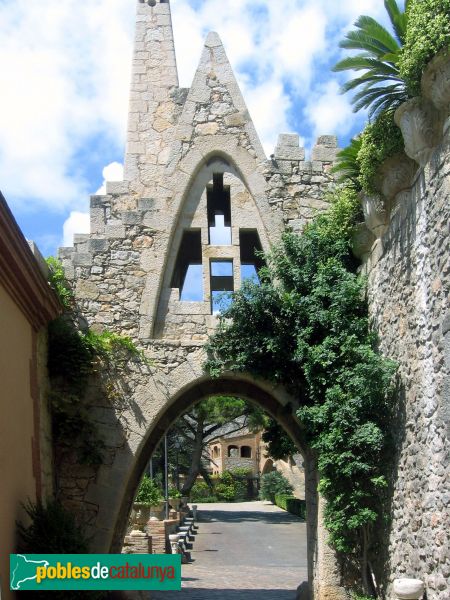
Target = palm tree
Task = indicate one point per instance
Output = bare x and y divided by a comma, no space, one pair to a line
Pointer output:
380,86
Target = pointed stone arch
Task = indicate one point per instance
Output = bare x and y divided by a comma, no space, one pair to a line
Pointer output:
188,180
272,399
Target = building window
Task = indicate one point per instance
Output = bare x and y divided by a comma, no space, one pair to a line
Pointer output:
216,451
219,212
246,452
188,272
251,262
233,451
222,284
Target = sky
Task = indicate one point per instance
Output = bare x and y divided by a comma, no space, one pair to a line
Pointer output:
64,80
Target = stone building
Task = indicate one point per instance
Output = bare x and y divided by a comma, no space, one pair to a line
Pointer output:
27,304
241,449
245,449
195,170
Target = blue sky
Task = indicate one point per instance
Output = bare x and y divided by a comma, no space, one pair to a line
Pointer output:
64,73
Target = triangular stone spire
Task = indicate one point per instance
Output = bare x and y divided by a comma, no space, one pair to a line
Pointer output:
214,104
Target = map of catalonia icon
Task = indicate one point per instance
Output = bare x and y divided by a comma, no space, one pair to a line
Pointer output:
23,569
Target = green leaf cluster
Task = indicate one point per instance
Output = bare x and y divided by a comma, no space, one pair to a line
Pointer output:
59,283
427,33
174,492
200,492
279,444
52,529
273,484
74,356
291,504
149,492
307,327
379,141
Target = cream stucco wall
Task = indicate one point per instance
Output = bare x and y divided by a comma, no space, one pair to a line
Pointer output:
18,481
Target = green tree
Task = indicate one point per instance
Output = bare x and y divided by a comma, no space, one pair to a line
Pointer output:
307,326
279,444
380,86
202,424
272,484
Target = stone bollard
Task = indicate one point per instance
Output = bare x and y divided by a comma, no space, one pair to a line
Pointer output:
174,545
408,589
194,511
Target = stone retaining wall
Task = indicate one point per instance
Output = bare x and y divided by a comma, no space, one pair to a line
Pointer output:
409,282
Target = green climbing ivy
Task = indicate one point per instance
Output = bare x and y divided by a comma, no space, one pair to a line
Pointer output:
379,141
74,356
307,326
427,33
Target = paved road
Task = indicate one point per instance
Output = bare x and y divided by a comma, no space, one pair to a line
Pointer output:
244,551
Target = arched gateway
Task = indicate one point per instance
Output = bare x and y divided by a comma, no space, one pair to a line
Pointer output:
199,197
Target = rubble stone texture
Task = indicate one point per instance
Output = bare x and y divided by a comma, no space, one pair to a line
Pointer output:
124,274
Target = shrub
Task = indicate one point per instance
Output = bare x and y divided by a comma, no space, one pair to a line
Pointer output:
200,490
291,504
174,492
225,492
379,140
149,492
53,530
428,31
272,484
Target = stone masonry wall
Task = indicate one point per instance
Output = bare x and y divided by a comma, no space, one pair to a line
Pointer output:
409,280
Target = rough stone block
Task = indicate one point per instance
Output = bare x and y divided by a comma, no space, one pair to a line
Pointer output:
99,201
237,119
82,259
324,153
79,238
145,204
330,141
98,245
289,153
115,230
131,218
117,187
288,139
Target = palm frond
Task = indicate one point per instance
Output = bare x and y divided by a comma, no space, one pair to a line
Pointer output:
360,62
366,97
398,19
386,103
368,78
359,40
378,57
373,29
347,166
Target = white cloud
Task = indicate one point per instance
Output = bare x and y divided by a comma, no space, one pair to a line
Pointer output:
65,71
329,111
77,222
112,172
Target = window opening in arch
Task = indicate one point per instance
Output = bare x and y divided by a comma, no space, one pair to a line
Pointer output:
233,452
188,272
222,285
246,452
251,262
219,212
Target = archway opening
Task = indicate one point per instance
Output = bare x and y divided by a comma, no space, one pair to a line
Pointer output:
275,403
